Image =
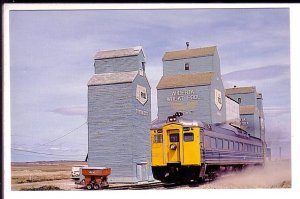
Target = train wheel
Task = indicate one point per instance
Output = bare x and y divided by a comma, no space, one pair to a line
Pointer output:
96,186
89,186
198,180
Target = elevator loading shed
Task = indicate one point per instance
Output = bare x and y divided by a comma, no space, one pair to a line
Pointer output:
251,109
119,112
192,84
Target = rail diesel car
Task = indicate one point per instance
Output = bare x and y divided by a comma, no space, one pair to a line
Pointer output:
184,150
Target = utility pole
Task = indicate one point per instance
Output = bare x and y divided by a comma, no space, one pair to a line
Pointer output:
280,153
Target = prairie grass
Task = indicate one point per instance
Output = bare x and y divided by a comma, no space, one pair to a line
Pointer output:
38,172
37,178
42,188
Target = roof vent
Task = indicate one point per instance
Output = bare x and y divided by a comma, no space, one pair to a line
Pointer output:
187,45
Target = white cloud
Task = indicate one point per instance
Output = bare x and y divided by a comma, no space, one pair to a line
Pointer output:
276,110
72,110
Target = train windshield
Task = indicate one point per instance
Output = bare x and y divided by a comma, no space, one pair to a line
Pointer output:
174,137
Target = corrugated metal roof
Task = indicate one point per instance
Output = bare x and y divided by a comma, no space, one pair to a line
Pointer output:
183,80
239,90
189,53
250,109
112,78
119,53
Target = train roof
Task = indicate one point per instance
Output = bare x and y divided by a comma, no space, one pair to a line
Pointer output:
223,128
158,124
228,129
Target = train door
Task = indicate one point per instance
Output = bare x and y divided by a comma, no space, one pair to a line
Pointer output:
157,149
173,146
191,147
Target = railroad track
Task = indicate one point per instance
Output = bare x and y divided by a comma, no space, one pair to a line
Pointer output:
153,186
144,186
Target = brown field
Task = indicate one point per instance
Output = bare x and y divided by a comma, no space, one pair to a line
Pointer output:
37,174
57,175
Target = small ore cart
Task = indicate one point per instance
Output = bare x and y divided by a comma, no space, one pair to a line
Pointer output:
95,177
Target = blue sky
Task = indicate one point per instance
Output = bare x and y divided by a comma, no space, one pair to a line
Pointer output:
51,61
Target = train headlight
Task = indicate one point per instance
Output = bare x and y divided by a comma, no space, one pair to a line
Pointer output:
173,147
172,119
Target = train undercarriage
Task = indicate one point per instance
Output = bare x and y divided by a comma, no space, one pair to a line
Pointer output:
175,173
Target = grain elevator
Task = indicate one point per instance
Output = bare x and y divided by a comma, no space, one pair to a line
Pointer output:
251,109
192,84
119,115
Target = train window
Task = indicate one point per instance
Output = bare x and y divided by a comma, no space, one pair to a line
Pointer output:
231,145
186,128
219,143
240,146
188,137
158,138
213,143
174,137
245,147
236,146
225,144
206,142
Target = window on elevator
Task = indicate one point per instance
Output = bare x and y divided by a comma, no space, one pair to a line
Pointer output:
186,66
239,100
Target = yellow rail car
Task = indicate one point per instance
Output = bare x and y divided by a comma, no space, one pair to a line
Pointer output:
183,150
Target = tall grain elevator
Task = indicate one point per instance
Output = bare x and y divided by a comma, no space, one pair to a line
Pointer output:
119,115
192,84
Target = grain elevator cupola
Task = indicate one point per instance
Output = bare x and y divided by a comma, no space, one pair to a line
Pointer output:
192,84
